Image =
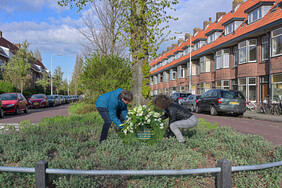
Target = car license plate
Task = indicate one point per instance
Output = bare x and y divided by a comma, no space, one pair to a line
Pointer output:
234,103
36,103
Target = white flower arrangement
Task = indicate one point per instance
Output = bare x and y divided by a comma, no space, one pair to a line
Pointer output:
142,117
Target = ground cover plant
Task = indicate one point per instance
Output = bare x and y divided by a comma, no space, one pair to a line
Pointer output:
73,143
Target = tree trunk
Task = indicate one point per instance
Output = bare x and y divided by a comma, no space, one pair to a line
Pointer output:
139,52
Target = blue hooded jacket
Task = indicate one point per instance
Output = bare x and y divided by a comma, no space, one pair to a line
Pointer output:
113,104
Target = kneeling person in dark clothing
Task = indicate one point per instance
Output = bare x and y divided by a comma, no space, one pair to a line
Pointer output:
179,117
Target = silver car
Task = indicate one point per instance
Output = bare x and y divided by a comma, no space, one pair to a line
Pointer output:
190,102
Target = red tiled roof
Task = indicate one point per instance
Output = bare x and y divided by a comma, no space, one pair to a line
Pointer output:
7,44
243,29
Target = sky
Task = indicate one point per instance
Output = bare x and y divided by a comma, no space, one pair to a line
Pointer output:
52,29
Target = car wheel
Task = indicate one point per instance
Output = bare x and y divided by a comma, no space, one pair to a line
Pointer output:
17,110
26,109
1,112
213,111
192,108
198,110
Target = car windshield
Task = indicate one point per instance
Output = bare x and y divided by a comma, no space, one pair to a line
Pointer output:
7,97
50,97
232,95
37,96
184,95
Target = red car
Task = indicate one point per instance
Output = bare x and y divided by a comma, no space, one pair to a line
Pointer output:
38,100
14,103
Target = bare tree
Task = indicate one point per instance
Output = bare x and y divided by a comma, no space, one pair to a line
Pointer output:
103,28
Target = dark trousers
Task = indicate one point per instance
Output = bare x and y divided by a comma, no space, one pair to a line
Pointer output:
104,113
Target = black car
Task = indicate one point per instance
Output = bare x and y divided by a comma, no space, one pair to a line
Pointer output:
191,101
222,101
179,96
52,100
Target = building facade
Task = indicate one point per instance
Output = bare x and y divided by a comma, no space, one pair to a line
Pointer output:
241,50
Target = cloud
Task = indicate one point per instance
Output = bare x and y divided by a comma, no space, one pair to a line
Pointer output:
10,6
45,36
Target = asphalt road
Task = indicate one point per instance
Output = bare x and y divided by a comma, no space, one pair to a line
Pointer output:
36,115
271,131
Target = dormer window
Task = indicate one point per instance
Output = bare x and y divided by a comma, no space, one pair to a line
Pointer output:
258,11
213,35
178,55
187,50
164,62
171,58
198,43
232,24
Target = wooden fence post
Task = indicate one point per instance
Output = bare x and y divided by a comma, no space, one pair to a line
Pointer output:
41,178
224,177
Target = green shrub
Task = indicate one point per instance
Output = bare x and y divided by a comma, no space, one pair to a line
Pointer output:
7,87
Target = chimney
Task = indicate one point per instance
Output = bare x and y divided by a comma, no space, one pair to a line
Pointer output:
174,45
180,40
219,15
206,23
18,45
163,52
195,30
236,3
187,36
0,33
168,49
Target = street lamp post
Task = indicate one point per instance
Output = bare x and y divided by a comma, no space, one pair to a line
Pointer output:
51,72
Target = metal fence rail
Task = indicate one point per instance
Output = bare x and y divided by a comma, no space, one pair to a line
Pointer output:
224,172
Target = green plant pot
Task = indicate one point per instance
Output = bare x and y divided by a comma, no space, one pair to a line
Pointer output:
145,134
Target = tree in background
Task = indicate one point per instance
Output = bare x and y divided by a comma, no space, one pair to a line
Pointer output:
58,78
44,81
142,20
102,74
37,55
75,81
65,87
103,28
17,70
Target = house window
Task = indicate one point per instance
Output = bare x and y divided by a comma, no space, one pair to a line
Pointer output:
264,48
198,45
194,68
276,42
170,59
151,81
222,58
155,80
160,78
225,84
205,64
247,51
234,84
218,84
166,91
172,90
235,56
181,88
248,87
254,15
165,76
172,74
193,89
180,71
178,55
229,28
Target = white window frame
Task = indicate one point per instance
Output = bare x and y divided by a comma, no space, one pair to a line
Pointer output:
235,56
205,64
172,74
223,58
246,47
264,48
277,33
180,71
254,15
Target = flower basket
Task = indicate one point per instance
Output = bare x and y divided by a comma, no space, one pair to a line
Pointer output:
142,125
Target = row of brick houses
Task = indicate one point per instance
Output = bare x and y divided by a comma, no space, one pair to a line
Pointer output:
241,50
8,50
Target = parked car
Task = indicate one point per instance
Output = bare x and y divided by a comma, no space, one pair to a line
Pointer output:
1,109
14,103
39,100
58,99
63,100
222,101
178,97
191,101
52,100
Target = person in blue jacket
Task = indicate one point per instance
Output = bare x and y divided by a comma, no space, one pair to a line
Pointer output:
112,107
